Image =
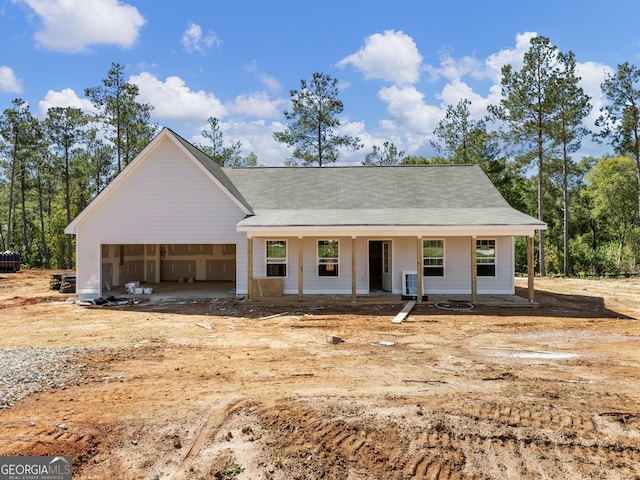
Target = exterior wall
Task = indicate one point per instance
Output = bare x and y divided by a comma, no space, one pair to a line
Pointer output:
457,266
312,283
504,281
456,280
165,199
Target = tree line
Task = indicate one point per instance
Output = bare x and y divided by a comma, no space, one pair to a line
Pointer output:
525,146
51,169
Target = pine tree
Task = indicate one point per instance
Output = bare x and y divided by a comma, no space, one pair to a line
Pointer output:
314,120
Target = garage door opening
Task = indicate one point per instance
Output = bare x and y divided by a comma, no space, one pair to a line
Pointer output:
171,268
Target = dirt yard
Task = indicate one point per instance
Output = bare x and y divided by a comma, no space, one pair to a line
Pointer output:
212,390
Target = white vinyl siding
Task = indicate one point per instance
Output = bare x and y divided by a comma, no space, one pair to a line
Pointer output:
457,277
503,282
314,284
166,199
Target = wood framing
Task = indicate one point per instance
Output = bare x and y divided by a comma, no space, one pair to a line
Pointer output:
354,275
300,268
474,269
250,268
530,268
419,263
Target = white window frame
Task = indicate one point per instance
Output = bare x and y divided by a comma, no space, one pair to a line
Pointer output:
495,257
276,260
424,259
334,264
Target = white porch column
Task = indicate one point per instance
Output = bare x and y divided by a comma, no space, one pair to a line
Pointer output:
474,269
300,268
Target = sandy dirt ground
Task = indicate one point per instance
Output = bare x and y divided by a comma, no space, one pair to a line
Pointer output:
213,390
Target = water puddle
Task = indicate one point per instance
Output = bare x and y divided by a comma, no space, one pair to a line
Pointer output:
540,355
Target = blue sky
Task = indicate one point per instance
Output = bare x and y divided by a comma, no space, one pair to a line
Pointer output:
399,63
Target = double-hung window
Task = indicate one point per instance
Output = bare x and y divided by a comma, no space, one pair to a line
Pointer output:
486,258
276,258
328,258
433,258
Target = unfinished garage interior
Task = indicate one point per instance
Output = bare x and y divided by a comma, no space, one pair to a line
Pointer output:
170,263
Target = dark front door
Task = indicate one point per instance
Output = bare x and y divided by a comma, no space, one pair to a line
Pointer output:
375,266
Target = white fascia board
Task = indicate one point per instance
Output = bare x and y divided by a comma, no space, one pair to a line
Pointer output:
398,231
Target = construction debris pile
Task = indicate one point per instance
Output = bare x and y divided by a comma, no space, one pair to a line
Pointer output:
65,282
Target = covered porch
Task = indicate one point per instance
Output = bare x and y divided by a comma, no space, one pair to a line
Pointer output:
355,261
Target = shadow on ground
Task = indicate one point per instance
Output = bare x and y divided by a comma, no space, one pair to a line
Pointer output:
550,304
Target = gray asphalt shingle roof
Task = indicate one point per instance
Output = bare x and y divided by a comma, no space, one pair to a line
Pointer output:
412,195
447,195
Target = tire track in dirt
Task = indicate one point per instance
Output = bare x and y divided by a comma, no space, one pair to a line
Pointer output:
495,442
213,422
326,447
79,442
585,445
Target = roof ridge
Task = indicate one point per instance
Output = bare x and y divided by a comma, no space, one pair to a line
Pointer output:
343,167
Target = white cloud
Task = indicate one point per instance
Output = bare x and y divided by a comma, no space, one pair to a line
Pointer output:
257,105
174,100
390,56
458,90
407,107
453,69
272,84
63,98
9,83
592,75
257,137
73,25
194,41
512,56
393,56
405,141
